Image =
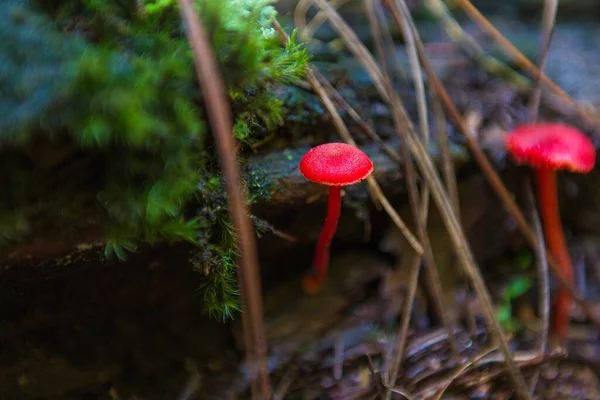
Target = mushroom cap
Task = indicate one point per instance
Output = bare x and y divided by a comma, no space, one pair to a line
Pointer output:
552,146
336,164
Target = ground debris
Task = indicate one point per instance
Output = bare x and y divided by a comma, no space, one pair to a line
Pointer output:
338,351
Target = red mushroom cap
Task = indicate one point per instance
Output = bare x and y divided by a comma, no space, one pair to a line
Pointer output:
552,146
335,164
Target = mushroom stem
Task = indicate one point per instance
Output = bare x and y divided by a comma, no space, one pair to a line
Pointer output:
313,283
549,209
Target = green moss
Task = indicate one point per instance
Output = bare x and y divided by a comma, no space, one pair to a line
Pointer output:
102,119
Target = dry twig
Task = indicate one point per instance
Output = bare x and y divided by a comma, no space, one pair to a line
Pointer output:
523,62
338,98
421,155
307,30
458,35
542,277
431,271
419,204
548,19
248,271
448,169
492,177
376,34
460,370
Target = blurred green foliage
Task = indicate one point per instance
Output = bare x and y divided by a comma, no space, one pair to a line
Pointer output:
101,118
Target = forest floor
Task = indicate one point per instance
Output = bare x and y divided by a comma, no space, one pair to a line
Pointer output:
95,329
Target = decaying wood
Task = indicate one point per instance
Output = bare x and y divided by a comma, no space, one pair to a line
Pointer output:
286,185
304,336
276,175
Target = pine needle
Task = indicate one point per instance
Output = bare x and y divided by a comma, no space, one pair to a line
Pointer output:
495,181
430,174
248,272
525,63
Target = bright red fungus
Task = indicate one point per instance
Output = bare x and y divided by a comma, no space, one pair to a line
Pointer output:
334,165
548,147
552,146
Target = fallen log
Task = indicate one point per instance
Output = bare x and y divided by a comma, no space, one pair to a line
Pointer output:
274,175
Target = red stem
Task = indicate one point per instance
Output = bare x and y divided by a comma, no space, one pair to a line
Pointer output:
313,283
548,201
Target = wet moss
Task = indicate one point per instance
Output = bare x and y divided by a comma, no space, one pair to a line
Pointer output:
102,119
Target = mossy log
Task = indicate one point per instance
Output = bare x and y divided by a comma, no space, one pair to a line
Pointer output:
275,176
283,183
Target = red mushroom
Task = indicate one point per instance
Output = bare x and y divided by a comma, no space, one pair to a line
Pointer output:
334,165
549,147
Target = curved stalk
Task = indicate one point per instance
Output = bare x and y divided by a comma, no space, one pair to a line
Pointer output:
549,209
313,283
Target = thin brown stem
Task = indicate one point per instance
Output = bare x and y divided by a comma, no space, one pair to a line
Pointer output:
524,62
405,127
219,116
376,35
543,278
393,368
366,128
419,206
548,19
495,181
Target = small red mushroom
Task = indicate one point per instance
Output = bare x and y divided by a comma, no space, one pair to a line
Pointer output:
548,147
334,165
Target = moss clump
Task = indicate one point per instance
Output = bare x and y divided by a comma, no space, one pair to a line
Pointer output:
102,119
